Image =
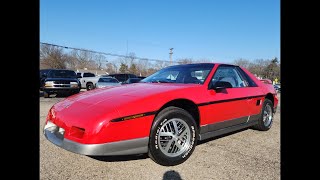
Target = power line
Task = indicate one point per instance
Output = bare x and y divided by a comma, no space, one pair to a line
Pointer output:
108,54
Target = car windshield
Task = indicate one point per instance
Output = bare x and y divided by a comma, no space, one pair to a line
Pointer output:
61,74
108,80
185,74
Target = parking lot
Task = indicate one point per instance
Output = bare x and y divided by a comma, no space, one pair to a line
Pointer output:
247,154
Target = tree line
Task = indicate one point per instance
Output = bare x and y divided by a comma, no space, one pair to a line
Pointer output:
263,68
56,57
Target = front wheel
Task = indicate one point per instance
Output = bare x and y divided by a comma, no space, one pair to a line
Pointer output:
173,137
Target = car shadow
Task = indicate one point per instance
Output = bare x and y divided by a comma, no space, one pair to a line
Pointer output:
120,158
221,136
171,175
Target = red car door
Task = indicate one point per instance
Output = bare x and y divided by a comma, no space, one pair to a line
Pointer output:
226,107
254,93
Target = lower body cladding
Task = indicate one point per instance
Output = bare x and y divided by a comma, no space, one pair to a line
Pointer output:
139,145
217,129
126,147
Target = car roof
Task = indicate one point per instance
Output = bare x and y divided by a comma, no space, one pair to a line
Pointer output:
194,64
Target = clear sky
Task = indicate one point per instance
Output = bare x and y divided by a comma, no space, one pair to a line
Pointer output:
218,30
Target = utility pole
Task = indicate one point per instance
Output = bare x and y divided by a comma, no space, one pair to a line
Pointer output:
170,53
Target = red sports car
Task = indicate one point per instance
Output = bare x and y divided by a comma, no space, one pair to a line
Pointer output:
164,115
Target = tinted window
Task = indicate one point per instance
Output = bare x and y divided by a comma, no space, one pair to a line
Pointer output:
88,75
228,74
61,74
108,80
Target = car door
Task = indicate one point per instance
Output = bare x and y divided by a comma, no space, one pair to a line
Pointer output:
255,95
225,107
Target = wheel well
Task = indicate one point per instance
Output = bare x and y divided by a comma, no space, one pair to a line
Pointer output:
187,105
89,83
270,97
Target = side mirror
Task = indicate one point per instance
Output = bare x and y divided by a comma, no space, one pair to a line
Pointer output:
220,85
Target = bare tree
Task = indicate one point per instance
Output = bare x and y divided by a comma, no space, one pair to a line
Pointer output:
243,63
132,57
52,57
111,68
83,58
99,58
185,61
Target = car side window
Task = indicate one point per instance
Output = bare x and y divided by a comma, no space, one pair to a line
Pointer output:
230,75
88,75
249,81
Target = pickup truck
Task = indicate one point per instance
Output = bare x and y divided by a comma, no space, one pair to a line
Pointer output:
87,80
59,81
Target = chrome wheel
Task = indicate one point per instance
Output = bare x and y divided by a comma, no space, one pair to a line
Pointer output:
174,137
267,115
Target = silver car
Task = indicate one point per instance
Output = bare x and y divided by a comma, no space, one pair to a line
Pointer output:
107,81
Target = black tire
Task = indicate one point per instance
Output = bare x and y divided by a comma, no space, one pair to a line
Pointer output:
46,94
262,126
90,86
163,119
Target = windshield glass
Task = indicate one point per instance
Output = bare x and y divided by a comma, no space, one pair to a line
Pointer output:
185,74
108,80
61,74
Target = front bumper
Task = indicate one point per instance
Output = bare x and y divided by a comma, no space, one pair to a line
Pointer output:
126,147
60,89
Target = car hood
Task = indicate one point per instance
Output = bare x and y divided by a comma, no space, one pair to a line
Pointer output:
62,79
105,104
116,95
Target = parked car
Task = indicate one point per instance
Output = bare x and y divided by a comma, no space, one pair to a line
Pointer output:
87,80
107,82
60,81
132,80
277,87
164,115
122,77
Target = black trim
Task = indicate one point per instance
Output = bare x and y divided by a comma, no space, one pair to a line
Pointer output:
228,100
255,117
134,116
223,124
258,102
226,130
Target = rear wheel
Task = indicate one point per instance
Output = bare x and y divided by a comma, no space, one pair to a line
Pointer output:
173,137
266,117
89,86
